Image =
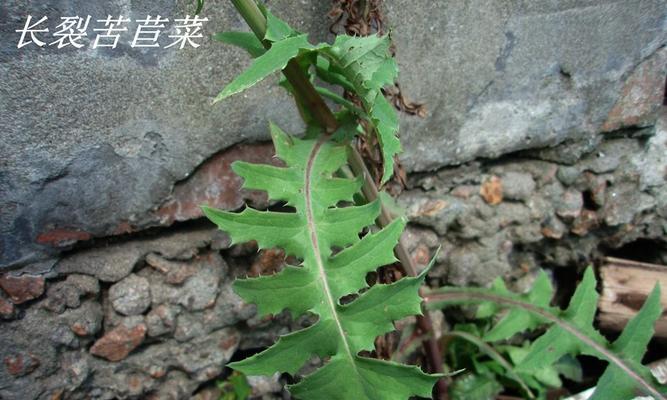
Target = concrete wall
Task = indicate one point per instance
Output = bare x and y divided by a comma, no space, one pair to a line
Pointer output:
94,140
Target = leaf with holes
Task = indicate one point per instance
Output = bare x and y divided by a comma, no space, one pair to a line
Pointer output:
311,233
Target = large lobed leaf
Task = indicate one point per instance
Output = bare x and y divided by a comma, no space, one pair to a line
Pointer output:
517,320
573,333
570,331
617,382
363,65
317,285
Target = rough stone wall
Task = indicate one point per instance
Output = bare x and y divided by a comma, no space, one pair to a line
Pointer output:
94,141
541,149
154,316
565,206
145,318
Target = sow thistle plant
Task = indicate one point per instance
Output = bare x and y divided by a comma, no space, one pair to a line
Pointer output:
568,332
333,232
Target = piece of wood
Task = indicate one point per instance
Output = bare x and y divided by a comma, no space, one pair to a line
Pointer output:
625,286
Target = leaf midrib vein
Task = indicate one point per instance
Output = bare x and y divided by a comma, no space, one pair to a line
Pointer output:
312,231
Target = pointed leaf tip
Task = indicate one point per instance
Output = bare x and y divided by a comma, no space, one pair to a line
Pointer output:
273,60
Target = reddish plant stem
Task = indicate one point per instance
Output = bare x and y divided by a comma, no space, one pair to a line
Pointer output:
309,98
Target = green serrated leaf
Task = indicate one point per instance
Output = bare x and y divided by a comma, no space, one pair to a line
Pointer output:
359,58
547,375
325,72
517,320
386,123
475,387
577,320
271,229
616,383
275,59
277,29
363,65
373,313
571,332
245,40
498,360
367,64
324,277
370,379
349,267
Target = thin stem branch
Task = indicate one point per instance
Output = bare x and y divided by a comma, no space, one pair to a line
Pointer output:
494,355
253,16
478,296
311,99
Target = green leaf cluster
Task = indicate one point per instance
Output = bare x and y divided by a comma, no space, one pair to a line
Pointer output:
569,332
235,387
319,226
363,65
496,365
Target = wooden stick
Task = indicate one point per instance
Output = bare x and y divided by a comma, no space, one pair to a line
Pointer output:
625,286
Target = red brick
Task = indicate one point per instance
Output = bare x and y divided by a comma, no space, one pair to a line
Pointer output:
116,344
20,364
60,237
22,288
492,190
421,255
642,95
6,308
215,184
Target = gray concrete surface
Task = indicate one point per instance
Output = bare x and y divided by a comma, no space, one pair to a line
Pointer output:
92,139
